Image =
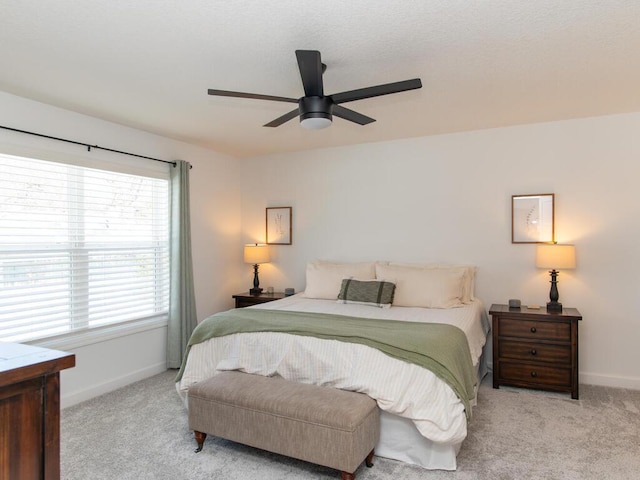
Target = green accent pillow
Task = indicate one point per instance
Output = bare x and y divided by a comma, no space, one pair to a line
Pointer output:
367,292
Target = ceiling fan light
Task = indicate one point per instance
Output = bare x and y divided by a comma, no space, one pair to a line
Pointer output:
316,120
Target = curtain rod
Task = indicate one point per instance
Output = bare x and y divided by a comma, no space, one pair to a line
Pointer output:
89,147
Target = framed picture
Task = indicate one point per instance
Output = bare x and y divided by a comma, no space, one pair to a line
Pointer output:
279,226
532,218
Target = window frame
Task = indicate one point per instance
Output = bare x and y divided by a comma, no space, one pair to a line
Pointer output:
107,162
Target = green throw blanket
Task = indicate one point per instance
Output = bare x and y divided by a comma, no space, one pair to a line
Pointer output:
441,348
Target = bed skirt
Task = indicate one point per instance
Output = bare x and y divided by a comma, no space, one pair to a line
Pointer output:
401,440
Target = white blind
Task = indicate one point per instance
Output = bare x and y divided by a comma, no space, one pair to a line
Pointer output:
79,248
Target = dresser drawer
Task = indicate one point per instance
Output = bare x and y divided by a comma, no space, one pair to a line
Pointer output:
523,373
558,354
534,330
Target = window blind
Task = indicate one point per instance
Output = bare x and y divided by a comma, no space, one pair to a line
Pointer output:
79,247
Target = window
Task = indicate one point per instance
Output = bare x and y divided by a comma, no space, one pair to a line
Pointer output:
80,248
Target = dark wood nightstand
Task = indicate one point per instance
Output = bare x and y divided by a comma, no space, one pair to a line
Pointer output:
535,349
246,299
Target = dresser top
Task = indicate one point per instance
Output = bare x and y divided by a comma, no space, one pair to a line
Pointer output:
26,361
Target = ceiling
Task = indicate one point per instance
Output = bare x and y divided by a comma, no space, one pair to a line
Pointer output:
483,64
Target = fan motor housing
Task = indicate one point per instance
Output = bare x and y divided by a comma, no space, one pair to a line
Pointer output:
315,107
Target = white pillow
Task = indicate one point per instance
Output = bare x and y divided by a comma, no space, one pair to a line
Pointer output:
324,279
424,287
469,279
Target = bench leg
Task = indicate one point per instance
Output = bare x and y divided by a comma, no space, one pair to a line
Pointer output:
369,460
200,438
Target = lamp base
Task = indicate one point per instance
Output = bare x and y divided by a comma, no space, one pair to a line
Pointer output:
554,307
258,291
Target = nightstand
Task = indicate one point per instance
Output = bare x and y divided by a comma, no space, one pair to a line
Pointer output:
535,348
246,299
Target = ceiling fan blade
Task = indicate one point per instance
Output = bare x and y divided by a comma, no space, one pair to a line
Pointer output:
376,91
255,96
284,118
310,67
351,115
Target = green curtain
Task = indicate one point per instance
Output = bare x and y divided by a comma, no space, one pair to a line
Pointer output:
182,303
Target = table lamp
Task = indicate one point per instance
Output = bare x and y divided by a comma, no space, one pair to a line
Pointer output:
256,253
555,256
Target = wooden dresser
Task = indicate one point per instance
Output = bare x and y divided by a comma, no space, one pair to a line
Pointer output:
535,348
30,411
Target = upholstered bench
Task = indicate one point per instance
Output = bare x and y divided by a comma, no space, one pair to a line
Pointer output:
322,425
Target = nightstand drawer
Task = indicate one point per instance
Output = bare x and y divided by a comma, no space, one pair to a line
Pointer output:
534,330
247,300
557,354
242,302
531,374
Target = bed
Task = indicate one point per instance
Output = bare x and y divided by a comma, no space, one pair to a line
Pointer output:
424,418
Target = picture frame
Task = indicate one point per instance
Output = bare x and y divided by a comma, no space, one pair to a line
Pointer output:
532,218
278,225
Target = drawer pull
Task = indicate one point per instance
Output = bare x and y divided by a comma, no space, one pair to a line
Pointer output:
533,330
534,374
534,351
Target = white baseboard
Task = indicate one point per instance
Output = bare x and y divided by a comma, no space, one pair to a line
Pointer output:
72,398
616,381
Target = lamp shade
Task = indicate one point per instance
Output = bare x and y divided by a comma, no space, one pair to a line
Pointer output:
256,253
556,256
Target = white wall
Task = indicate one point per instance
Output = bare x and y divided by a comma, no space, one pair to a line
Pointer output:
448,199
215,204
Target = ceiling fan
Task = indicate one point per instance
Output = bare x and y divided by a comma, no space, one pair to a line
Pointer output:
315,109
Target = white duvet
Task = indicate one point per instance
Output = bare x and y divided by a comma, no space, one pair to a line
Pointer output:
398,387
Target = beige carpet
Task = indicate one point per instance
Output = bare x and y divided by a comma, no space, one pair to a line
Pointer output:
140,432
